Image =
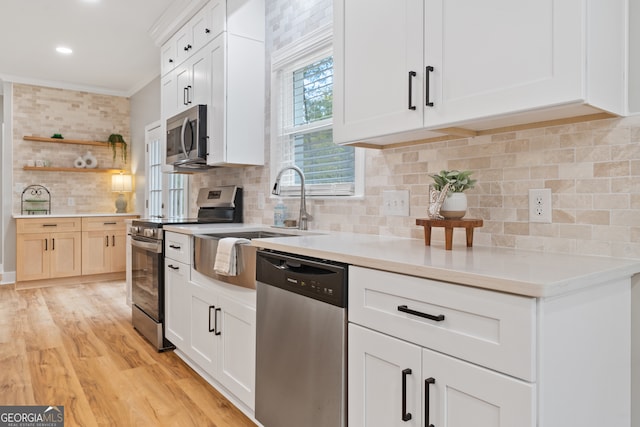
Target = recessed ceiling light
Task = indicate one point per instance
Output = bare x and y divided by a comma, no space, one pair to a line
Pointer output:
64,50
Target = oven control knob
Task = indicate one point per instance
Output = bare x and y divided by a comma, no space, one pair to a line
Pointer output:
150,232
135,229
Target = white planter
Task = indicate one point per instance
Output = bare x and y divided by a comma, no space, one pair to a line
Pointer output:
454,206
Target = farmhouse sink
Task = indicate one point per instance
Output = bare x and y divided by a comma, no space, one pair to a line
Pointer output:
205,247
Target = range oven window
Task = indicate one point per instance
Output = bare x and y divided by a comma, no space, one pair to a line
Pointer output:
147,270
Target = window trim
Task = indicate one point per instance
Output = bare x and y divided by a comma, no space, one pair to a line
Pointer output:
316,45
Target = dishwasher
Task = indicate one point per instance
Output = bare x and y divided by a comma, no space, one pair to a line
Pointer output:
301,341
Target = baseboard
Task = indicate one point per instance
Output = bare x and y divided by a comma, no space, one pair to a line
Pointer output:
7,278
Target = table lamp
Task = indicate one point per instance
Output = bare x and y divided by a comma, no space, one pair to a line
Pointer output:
121,183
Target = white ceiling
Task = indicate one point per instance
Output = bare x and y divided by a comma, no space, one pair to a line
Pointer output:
113,52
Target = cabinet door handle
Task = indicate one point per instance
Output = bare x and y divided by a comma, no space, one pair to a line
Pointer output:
173,267
170,61
46,244
189,94
53,244
405,309
187,47
207,31
215,320
185,92
214,327
113,240
175,247
427,73
106,240
427,383
406,416
412,74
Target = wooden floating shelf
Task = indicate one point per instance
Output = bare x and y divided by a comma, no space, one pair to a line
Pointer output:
56,169
67,141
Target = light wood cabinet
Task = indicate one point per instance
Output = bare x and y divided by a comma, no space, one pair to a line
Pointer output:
103,245
47,248
68,248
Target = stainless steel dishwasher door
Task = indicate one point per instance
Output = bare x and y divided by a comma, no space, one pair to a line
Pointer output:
301,355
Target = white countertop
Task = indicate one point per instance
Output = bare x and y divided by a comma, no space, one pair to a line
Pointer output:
520,272
77,215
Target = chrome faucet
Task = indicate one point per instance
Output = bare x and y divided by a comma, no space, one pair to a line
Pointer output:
304,215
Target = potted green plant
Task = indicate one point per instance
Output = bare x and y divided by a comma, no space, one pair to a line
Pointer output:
455,204
115,140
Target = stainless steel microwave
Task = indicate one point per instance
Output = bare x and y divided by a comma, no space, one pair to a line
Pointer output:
187,138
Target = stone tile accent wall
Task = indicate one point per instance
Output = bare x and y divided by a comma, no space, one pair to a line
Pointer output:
42,111
592,168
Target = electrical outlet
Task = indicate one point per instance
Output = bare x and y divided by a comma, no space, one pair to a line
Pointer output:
71,201
540,205
395,202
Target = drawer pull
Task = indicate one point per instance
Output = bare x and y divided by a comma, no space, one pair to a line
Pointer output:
427,383
173,267
214,327
405,309
109,223
175,247
49,225
412,74
406,416
215,320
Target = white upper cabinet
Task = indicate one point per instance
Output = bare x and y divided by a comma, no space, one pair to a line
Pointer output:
217,59
236,111
478,65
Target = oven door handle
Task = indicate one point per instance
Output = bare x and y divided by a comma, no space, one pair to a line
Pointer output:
149,246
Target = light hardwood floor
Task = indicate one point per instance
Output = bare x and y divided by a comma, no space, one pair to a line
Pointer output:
74,346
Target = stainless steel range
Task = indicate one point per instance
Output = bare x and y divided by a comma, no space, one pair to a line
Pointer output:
216,205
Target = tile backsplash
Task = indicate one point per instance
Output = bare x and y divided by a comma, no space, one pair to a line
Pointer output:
42,111
592,168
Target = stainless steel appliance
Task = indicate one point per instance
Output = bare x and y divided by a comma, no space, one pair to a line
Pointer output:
301,341
216,205
205,248
187,139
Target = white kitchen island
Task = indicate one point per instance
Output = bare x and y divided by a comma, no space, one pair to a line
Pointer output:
520,338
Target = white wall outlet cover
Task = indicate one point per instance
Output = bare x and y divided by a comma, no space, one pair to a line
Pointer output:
540,205
395,202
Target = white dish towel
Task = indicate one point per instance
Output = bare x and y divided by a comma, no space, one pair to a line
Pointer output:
228,258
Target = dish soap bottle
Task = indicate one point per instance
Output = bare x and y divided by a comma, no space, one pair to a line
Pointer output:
279,214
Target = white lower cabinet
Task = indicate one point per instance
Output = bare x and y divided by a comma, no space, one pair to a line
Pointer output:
377,365
396,383
222,333
176,282
461,394
475,357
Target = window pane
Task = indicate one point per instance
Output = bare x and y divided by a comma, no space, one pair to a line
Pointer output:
322,161
313,92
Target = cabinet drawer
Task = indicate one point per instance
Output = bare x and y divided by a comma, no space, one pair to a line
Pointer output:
492,329
176,247
101,223
49,225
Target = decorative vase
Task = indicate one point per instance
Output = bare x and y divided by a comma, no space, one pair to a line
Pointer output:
454,206
90,160
79,163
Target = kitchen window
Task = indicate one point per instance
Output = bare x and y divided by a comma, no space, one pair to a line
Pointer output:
166,193
302,135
